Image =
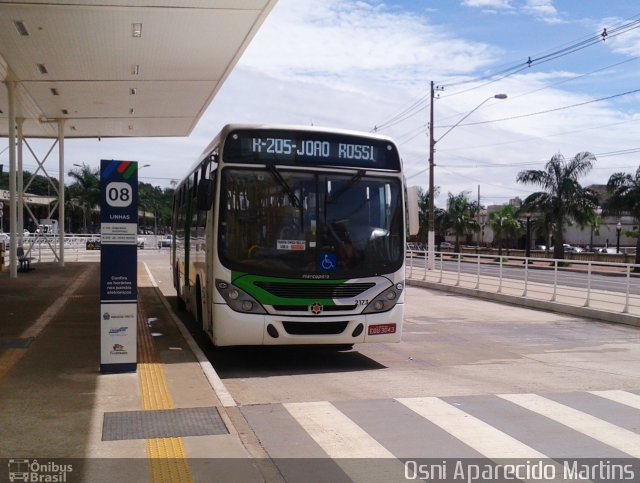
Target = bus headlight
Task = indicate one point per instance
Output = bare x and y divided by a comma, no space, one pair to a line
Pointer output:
238,299
247,305
385,300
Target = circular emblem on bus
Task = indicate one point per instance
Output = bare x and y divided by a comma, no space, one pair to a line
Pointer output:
315,308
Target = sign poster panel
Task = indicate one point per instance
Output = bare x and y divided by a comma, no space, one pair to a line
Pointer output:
118,265
118,334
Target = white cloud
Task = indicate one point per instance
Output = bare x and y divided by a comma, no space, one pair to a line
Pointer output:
490,4
353,65
543,10
339,38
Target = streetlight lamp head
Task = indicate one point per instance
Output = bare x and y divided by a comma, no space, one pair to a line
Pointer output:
500,96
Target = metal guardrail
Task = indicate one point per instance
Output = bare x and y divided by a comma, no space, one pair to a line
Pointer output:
609,287
44,248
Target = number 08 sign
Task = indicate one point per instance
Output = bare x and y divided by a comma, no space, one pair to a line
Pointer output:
118,267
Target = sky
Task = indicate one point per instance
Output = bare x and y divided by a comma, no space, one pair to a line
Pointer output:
367,65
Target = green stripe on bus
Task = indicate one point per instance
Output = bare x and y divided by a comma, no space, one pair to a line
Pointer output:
248,282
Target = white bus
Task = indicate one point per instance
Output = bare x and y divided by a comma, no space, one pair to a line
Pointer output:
292,235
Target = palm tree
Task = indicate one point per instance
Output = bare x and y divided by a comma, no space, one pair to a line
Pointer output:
563,196
86,187
423,215
624,198
443,223
504,223
462,216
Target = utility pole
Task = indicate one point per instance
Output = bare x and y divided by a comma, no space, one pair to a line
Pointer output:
432,221
479,227
432,144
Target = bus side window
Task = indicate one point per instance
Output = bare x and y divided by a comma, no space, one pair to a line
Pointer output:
205,194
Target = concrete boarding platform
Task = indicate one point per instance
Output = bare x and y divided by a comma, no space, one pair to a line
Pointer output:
164,422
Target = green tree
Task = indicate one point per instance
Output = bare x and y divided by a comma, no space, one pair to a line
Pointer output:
423,215
462,216
149,202
624,198
562,196
443,223
84,191
505,224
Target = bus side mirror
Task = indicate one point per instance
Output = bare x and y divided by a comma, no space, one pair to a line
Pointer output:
413,210
205,194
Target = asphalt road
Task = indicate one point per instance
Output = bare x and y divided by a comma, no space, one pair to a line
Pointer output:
471,378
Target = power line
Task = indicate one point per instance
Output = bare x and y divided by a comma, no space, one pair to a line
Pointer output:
570,48
403,115
537,138
538,90
520,116
608,154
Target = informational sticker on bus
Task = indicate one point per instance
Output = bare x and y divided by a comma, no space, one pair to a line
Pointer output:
295,245
380,329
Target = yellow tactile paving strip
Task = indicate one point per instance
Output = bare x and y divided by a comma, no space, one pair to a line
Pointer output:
166,456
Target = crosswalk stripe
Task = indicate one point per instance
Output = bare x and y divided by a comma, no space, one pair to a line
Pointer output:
345,441
338,435
610,434
622,397
475,433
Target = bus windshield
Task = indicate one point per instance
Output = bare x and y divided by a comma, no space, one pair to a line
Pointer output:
299,224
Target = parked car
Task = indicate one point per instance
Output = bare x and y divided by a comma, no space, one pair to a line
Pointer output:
140,243
569,248
164,242
445,244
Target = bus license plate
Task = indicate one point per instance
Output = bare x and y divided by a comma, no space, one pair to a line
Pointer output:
382,329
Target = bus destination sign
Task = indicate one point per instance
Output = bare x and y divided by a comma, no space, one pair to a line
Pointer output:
310,148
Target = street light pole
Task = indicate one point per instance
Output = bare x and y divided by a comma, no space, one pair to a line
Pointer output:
432,222
432,144
618,230
527,251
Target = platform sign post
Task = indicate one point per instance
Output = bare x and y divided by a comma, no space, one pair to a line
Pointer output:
118,265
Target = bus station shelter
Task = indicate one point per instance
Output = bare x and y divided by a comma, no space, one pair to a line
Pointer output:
109,68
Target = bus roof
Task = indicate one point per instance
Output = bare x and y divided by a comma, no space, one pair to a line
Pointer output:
282,127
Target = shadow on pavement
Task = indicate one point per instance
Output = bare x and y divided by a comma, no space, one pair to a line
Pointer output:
266,361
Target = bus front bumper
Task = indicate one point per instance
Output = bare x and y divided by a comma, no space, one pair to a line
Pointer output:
234,328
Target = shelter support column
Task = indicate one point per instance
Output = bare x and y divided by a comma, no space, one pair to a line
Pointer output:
13,222
61,189
20,183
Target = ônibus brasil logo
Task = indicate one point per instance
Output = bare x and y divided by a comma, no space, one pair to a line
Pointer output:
33,470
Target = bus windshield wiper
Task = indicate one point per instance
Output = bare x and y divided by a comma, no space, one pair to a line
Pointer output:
354,179
295,202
